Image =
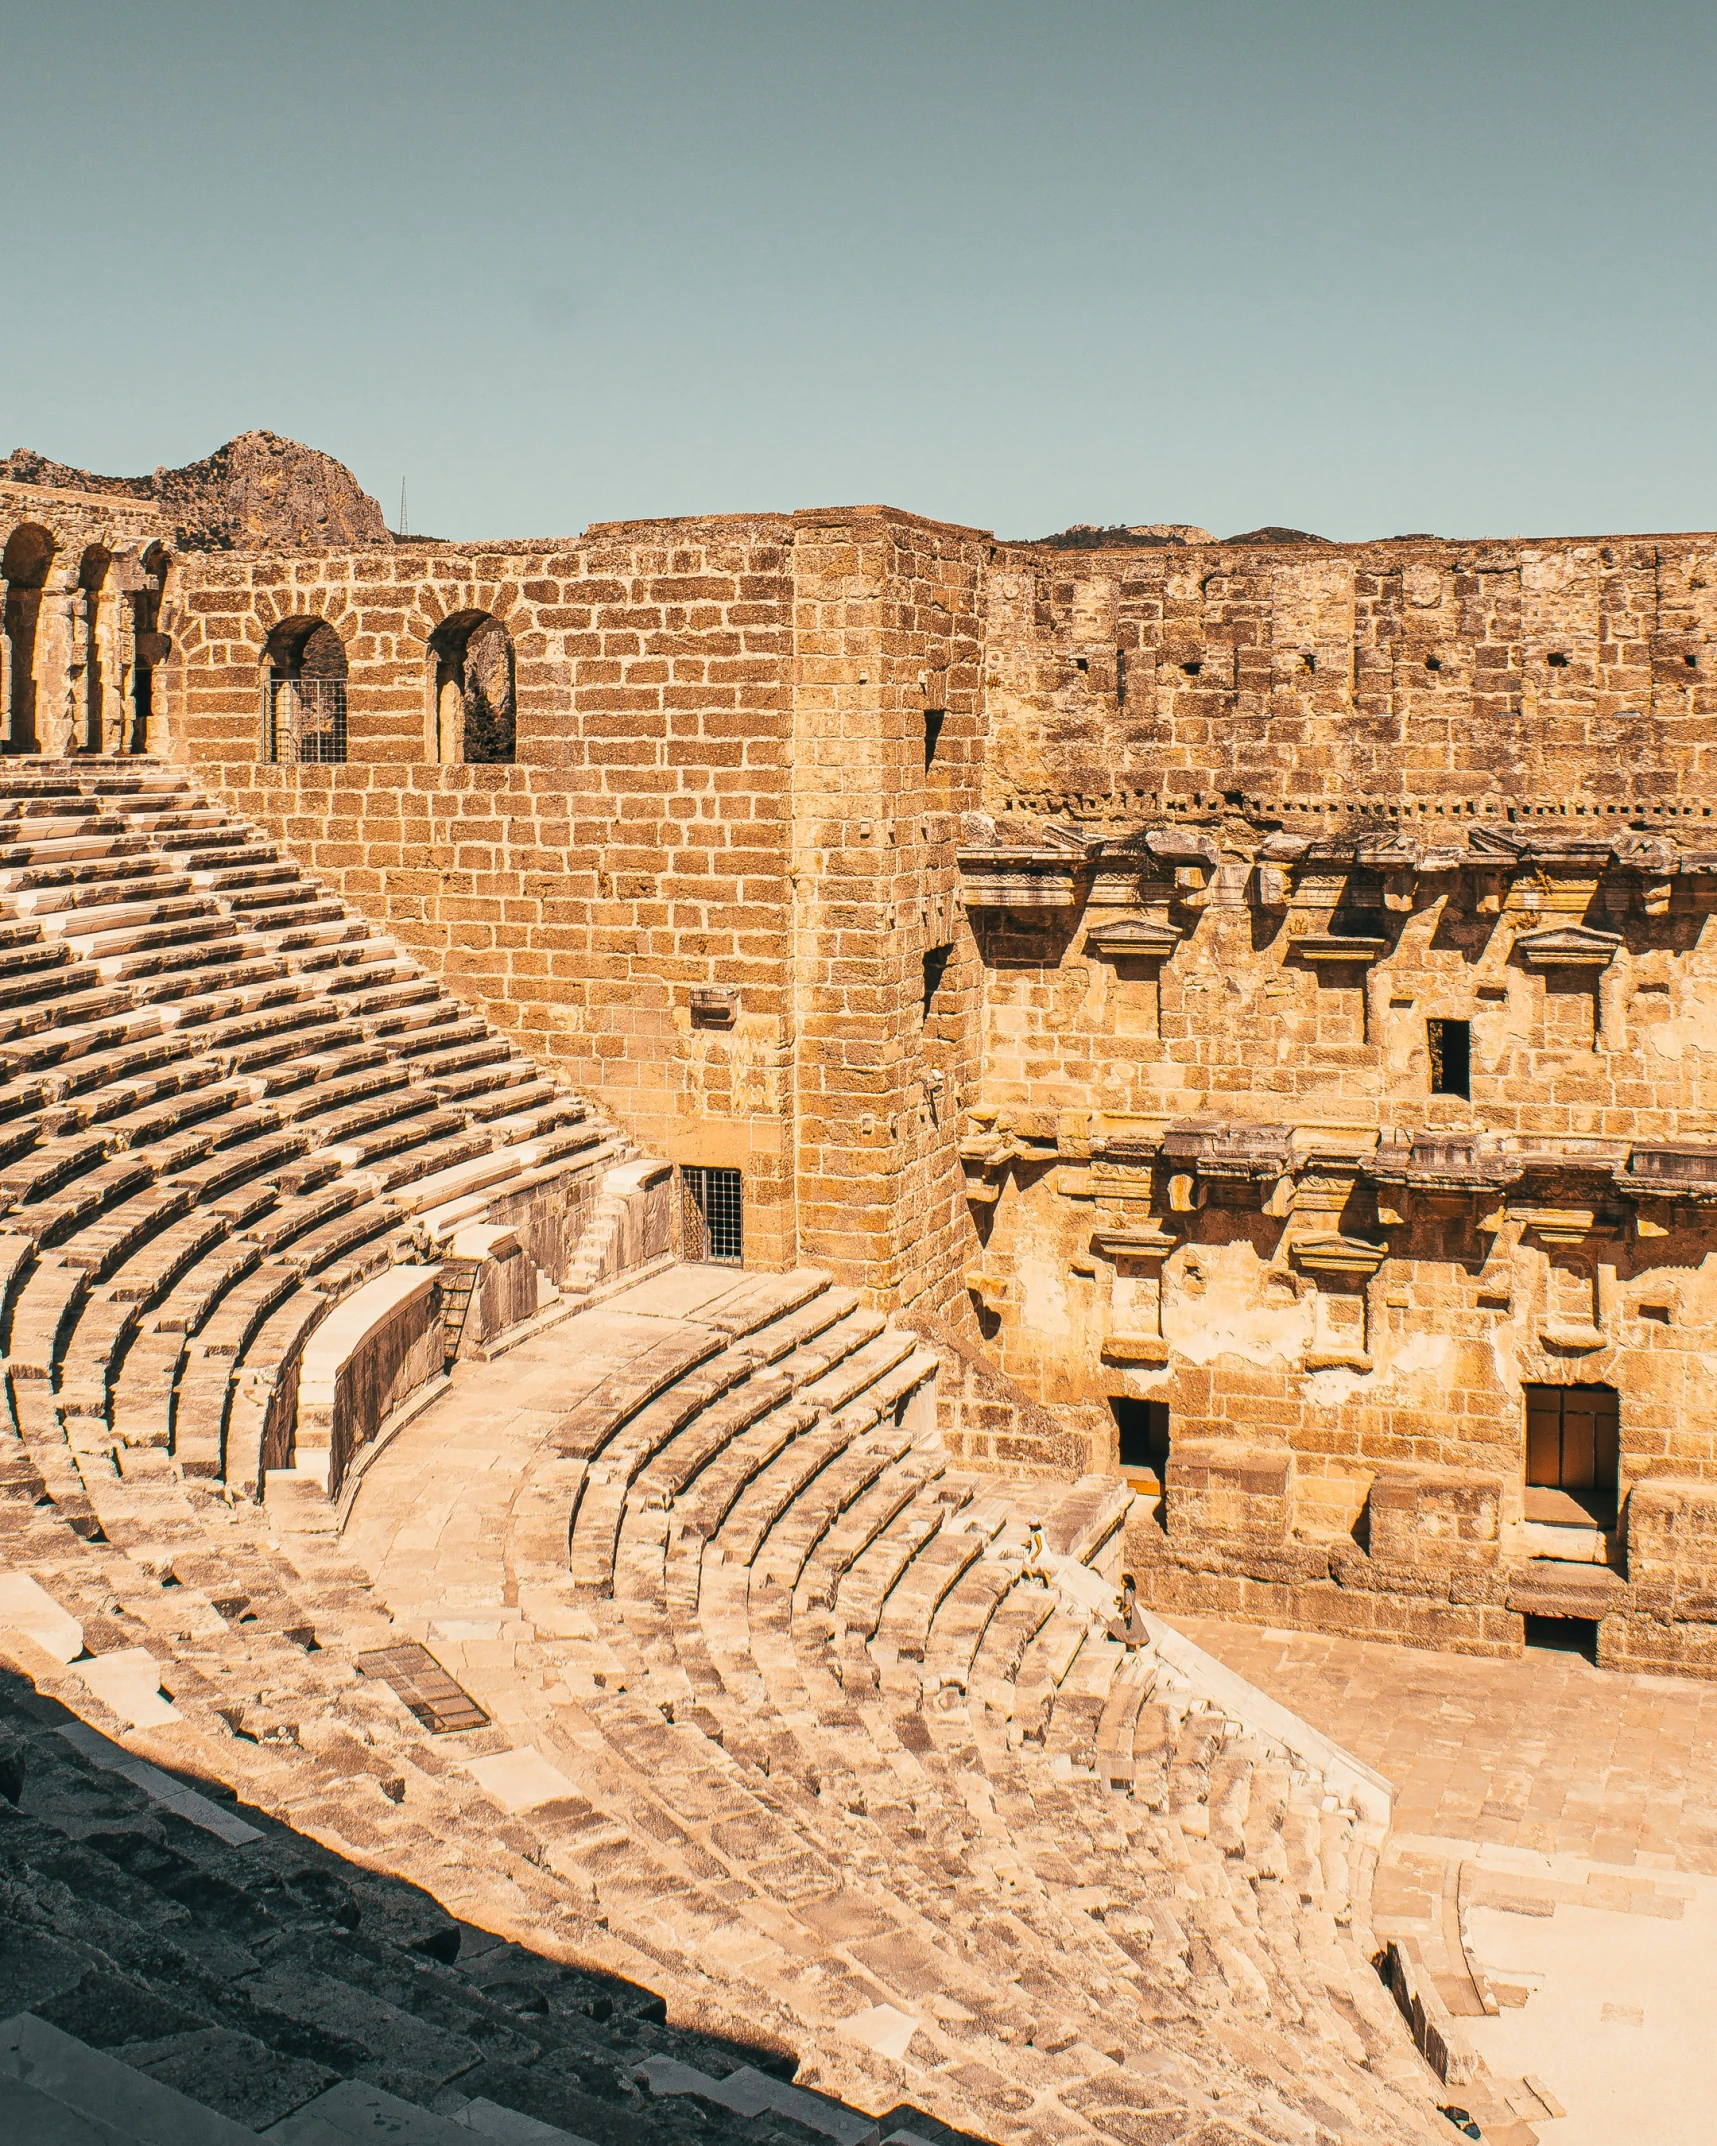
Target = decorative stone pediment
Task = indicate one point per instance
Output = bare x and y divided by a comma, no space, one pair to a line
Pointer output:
1568,946
1329,1252
1328,948
1133,939
1559,1225
1137,1241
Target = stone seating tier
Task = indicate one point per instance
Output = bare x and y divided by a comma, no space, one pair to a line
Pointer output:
843,1752
225,1101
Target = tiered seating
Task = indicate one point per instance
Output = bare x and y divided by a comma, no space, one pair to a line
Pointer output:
764,1705
223,1100
178,1966
889,1840
848,1731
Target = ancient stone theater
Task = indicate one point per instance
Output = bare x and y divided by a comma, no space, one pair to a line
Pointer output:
664,1196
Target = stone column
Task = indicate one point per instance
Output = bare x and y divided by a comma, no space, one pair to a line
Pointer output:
58,665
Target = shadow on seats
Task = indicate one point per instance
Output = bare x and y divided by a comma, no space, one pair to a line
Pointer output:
158,1940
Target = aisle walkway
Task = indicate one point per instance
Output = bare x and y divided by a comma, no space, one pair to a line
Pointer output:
430,1520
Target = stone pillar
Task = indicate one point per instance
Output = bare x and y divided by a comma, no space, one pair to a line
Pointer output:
886,616
58,666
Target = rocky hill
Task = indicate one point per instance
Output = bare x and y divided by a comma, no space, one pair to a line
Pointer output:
257,492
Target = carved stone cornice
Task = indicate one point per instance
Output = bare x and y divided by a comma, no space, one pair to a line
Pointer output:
1329,1252
1021,878
1568,946
1669,1171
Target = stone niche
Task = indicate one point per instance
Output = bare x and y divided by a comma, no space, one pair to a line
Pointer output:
1672,1534
1220,1490
1435,1516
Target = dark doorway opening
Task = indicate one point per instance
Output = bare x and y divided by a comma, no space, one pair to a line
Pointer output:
1142,1428
1573,1453
1564,1635
1451,1051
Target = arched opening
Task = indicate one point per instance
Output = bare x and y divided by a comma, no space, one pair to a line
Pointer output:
472,658
93,570
304,692
148,643
24,567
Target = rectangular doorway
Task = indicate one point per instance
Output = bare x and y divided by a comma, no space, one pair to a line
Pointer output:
1573,1452
1142,1435
712,1216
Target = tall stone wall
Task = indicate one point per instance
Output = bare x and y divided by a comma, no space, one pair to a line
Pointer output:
1258,824
706,884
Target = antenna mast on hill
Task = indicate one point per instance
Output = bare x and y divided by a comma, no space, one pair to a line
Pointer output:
402,528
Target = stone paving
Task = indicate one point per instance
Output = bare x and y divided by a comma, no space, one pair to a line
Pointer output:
1546,1753
1553,1860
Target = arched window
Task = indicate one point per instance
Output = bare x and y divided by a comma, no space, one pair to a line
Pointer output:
24,565
472,658
304,692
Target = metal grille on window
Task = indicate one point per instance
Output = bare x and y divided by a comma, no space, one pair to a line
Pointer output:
304,719
714,1216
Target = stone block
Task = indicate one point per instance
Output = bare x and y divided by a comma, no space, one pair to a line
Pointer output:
1218,1488
1436,1517
1672,1533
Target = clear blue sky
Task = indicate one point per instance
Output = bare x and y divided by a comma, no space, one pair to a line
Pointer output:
1363,269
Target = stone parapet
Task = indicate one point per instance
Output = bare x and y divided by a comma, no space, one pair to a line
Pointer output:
1672,1534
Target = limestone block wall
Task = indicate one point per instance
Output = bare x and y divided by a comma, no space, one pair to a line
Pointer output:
717,886
636,850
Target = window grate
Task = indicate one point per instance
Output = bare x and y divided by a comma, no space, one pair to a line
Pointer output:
713,1216
425,1687
304,719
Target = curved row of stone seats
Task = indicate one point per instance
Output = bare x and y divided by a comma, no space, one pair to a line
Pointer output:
748,1609
229,1655
226,1105
683,1744
178,1964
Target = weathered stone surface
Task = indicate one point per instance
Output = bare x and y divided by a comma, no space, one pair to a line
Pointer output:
257,491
